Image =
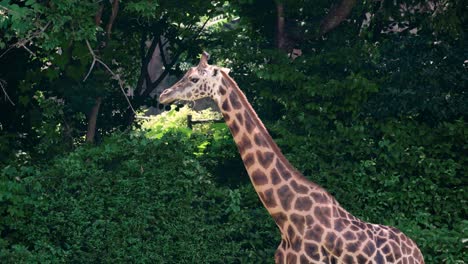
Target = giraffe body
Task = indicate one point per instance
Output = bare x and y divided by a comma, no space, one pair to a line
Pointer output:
314,227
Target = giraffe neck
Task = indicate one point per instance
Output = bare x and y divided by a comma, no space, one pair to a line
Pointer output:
274,178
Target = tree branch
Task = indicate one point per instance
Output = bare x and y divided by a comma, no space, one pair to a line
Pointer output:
338,13
23,42
153,85
115,76
161,51
145,61
3,85
115,10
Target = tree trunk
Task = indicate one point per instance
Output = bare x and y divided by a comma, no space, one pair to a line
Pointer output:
280,34
92,119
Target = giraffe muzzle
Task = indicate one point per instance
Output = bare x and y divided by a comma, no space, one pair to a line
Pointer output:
167,97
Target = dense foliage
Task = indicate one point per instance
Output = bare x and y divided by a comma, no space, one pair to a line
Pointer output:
130,199
374,111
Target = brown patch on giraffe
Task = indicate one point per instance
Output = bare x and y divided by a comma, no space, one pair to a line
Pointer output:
338,249
389,258
361,235
291,234
227,117
370,235
323,214
340,224
410,242
303,259
222,90
299,188
240,118
189,94
223,81
279,257
336,214
330,241
284,244
291,258
260,140
405,249
369,248
325,255
342,213
379,258
309,220
259,177
225,106
265,158
348,235
394,237
296,244
234,128
268,198
360,225
353,247
244,144
417,254
249,124
315,233
249,160
396,250
286,196
299,222
380,241
303,204
280,219
386,249
275,179
312,250
234,99
319,197
347,259
361,259
282,170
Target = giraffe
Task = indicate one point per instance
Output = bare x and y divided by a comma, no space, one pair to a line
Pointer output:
314,227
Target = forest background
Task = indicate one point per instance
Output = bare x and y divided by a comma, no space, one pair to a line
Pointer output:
366,98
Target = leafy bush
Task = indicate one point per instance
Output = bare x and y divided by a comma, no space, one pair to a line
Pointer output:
132,199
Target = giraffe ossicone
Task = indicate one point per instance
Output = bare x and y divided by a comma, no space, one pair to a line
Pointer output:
314,227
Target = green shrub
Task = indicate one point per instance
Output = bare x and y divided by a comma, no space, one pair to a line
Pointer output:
132,199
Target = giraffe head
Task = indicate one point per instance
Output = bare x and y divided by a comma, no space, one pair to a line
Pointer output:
199,82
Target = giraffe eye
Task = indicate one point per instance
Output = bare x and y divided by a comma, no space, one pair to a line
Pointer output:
194,80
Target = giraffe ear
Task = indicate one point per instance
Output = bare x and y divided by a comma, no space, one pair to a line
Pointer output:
226,70
204,60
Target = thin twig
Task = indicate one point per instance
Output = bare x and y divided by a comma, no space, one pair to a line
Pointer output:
28,50
23,42
3,84
117,77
